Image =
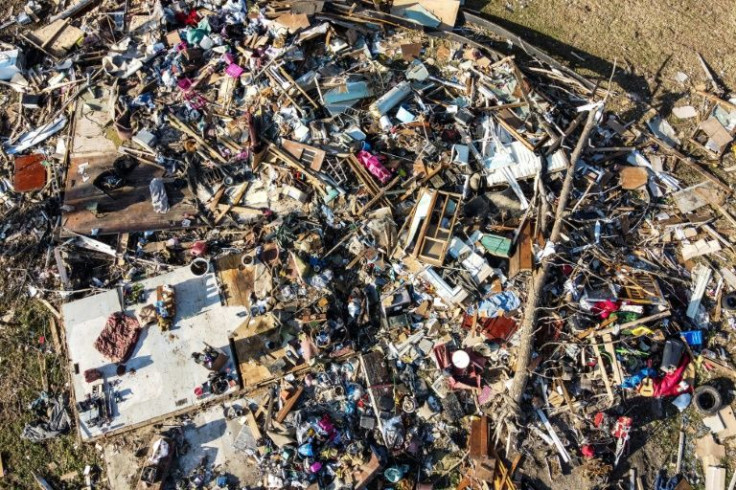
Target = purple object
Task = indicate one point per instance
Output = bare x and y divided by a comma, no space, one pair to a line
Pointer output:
373,164
234,70
184,84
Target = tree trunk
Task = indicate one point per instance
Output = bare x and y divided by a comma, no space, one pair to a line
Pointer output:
528,323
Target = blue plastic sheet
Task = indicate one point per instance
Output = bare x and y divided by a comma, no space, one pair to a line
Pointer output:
633,381
489,307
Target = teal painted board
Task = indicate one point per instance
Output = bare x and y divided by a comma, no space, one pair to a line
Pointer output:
496,245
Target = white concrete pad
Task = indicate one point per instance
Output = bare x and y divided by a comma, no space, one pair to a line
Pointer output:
165,376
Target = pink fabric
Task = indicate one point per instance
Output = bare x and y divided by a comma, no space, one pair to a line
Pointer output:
669,384
373,164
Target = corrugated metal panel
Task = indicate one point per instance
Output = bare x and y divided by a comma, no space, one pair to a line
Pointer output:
524,164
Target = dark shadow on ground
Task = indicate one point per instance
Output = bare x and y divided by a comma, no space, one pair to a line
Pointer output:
629,80
592,67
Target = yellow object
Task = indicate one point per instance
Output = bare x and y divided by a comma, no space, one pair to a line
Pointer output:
646,388
639,331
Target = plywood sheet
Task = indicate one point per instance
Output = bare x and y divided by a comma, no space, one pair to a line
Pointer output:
445,10
236,280
258,363
126,209
59,37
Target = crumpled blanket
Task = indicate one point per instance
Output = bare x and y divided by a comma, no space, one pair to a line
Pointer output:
669,385
489,307
118,338
373,164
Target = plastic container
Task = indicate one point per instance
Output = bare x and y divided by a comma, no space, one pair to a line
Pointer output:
199,266
693,338
673,350
460,359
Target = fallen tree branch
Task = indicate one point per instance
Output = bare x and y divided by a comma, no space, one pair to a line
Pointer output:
521,376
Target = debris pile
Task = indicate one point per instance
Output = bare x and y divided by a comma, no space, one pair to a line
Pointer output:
418,258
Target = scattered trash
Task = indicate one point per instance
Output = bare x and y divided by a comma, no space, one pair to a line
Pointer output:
53,420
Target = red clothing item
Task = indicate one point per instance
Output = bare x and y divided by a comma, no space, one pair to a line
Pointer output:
588,451
605,308
669,384
190,19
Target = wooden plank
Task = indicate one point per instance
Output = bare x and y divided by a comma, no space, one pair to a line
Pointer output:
618,376
602,369
567,397
502,477
521,259
250,420
286,158
234,200
379,196
289,404
269,410
215,200
56,38
478,440
518,136
53,327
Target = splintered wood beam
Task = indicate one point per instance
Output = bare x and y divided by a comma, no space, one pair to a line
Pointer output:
289,405
602,369
233,201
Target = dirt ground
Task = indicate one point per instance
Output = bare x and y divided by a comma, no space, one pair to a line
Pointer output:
650,40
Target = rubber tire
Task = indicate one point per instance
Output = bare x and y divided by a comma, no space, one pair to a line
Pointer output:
728,302
708,391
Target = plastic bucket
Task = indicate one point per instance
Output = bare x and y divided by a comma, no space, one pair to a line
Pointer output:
199,266
461,360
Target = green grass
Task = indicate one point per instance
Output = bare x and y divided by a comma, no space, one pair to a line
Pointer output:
20,383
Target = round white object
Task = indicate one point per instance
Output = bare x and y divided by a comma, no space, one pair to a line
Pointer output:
460,359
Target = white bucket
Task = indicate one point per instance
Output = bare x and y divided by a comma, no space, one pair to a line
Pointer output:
460,359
